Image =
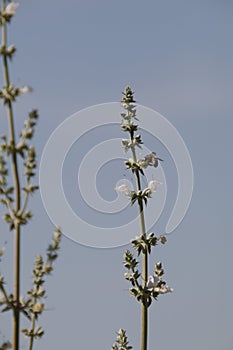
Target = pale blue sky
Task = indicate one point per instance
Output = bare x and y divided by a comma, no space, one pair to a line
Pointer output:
177,56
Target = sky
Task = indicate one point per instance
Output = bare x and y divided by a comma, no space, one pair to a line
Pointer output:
177,56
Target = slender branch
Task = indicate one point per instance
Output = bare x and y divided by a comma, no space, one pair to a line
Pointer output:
10,208
6,296
24,206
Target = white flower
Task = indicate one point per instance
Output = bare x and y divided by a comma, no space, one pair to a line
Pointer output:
123,189
164,289
11,8
25,89
11,49
152,282
152,159
153,185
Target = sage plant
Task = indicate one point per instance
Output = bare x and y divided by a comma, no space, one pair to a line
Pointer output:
17,170
144,288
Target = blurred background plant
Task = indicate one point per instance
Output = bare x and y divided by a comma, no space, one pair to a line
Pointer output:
17,170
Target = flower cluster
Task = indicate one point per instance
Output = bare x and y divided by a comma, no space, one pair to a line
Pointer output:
34,303
127,144
9,93
144,243
33,306
28,153
154,286
139,195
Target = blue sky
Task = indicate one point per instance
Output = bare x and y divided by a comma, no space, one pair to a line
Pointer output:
177,56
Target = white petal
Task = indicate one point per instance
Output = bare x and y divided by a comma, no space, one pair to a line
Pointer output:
152,281
123,189
153,185
25,89
11,8
165,289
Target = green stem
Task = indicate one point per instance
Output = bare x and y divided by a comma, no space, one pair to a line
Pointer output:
144,311
16,313
32,336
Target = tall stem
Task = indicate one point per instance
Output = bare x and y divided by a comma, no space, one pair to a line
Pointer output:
144,310
16,313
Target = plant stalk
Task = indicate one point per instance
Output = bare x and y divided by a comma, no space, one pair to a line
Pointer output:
32,337
144,309
16,312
